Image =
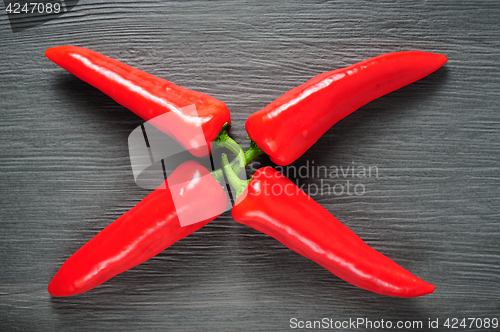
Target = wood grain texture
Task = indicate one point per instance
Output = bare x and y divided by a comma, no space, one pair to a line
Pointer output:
434,207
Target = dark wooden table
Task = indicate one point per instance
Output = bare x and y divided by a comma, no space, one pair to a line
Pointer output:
433,206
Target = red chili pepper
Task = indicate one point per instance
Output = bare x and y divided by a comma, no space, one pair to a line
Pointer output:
144,231
274,205
291,124
149,96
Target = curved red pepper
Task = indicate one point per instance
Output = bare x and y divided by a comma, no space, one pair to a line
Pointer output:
149,96
291,124
144,231
274,205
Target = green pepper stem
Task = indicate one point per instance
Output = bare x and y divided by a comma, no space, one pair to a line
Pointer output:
253,152
223,140
242,158
234,180
219,173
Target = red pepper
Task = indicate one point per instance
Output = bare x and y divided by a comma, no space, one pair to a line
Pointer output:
291,124
149,96
144,231
274,205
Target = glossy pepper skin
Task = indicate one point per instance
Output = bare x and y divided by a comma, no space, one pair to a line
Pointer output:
291,124
142,232
275,206
149,96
